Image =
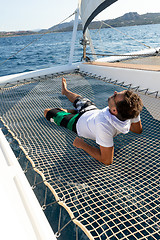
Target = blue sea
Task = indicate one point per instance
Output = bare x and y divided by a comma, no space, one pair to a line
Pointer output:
53,49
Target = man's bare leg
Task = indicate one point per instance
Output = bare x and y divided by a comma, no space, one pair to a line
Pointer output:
69,110
70,95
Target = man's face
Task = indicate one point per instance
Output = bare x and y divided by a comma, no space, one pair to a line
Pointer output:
114,99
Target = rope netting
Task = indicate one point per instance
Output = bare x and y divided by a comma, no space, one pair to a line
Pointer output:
120,201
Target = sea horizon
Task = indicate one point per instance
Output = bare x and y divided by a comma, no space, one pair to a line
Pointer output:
53,48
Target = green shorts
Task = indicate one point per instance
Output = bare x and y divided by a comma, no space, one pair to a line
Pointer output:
64,119
69,120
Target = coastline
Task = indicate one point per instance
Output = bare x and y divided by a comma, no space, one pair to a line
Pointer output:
42,33
128,19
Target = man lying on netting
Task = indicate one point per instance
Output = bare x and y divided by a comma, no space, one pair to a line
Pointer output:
121,116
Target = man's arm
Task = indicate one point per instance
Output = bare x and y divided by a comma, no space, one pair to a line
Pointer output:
104,154
136,127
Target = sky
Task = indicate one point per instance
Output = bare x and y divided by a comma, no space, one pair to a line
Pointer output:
42,14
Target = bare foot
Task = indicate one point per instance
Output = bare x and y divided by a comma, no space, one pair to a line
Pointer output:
64,86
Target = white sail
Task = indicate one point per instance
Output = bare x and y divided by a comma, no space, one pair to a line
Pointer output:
89,9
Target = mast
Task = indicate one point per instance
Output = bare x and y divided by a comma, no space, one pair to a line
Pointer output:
89,9
87,41
84,46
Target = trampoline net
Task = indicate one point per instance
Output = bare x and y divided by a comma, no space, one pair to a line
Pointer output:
120,201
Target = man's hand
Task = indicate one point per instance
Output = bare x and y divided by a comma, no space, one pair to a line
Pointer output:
136,127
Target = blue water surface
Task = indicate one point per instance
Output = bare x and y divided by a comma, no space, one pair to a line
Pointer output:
53,49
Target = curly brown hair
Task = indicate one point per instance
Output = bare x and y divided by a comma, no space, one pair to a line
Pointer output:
130,107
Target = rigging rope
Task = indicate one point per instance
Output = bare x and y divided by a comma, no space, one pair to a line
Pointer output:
115,53
36,39
124,33
102,41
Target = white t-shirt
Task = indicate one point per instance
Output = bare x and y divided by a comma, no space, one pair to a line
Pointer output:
102,126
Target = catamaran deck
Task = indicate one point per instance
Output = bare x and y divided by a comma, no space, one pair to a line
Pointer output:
120,201
154,61
147,63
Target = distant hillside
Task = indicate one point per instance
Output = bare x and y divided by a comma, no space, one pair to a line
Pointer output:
16,33
128,19
133,18
65,27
